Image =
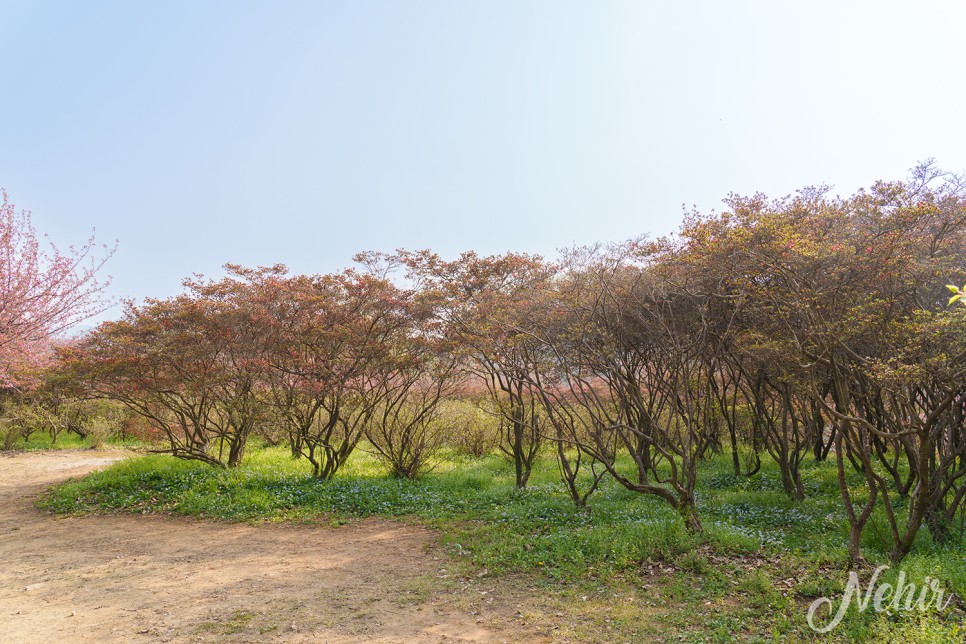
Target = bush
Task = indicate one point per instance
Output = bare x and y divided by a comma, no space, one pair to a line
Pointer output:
471,428
99,430
19,421
407,439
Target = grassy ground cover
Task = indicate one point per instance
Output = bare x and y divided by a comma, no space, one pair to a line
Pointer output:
624,570
38,441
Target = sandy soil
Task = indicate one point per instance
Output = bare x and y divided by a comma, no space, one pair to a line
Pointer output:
147,578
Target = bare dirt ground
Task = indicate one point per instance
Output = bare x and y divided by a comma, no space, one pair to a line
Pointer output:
148,578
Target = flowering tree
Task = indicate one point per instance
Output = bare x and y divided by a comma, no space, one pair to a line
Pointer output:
481,304
333,365
43,292
191,365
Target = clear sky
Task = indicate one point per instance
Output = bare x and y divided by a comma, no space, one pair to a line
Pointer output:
201,132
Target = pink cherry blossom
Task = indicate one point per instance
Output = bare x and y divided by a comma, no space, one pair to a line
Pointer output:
43,292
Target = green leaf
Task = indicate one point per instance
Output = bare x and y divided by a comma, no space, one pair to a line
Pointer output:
955,298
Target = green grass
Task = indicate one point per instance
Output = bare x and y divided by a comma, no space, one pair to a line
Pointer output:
760,562
41,440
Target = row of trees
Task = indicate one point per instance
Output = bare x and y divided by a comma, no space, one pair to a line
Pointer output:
806,327
319,361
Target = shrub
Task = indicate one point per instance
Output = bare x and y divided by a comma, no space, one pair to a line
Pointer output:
471,429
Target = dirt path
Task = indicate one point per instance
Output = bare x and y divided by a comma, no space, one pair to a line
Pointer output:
132,578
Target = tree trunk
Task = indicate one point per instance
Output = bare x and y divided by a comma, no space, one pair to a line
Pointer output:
688,512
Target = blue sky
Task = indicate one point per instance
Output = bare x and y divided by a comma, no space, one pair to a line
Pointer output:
198,133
